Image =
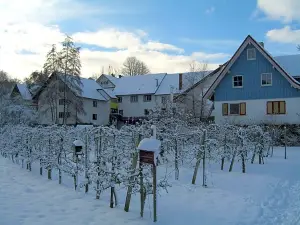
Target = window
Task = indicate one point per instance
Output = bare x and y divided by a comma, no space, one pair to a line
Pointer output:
94,103
237,81
121,112
276,107
133,98
234,109
147,98
119,99
61,88
163,100
61,114
146,112
61,101
94,116
266,79
251,54
114,110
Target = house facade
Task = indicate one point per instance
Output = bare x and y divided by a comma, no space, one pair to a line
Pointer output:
254,88
87,107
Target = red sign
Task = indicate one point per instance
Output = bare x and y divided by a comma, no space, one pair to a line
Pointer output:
146,157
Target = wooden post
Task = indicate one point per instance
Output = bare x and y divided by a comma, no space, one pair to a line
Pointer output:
204,155
141,190
154,194
86,165
41,167
176,160
198,162
272,142
131,179
284,142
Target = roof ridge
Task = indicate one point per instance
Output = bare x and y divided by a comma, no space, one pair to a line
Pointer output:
160,83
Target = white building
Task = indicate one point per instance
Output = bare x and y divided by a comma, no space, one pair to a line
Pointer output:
91,106
138,95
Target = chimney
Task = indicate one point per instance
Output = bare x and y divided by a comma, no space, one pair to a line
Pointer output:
180,81
120,76
262,44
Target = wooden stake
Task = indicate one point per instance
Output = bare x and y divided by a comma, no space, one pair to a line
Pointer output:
154,194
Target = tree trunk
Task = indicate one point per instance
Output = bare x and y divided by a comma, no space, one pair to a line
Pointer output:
131,179
232,161
243,163
50,174
253,156
199,156
222,163
41,168
176,160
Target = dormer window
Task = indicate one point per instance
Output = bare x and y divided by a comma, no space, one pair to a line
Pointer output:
237,81
251,54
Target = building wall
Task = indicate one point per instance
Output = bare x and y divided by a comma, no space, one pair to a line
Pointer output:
45,115
256,112
102,110
136,109
252,89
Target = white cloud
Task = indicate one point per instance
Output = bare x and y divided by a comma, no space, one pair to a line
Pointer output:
283,10
210,10
113,38
284,35
27,31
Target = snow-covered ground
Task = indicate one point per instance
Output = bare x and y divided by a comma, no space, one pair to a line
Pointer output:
266,195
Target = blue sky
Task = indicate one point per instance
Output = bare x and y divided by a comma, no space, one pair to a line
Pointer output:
167,34
194,25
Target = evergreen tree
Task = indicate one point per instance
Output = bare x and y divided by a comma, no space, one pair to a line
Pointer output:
52,62
71,66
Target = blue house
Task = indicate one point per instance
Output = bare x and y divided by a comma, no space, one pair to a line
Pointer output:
254,87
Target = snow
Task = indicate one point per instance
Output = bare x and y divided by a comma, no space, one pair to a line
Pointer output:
78,143
24,91
266,194
90,89
112,79
290,63
141,84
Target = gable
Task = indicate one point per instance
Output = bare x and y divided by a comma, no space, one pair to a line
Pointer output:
251,71
105,82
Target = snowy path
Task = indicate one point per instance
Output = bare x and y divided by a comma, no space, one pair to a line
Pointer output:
26,199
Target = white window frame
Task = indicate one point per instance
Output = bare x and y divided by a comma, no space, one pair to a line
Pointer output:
95,104
261,79
134,96
242,81
229,107
251,49
146,98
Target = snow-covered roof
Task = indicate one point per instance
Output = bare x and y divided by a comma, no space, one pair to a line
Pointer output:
290,63
150,145
24,91
89,88
112,79
140,84
109,92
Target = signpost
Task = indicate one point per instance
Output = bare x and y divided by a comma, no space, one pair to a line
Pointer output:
149,149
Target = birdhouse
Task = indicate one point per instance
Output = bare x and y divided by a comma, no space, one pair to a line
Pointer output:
78,147
149,149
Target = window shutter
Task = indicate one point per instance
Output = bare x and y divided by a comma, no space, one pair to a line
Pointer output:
269,108
243,108
225,109
275,107
282,109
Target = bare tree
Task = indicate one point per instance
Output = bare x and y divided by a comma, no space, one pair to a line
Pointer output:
132,67
193,99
